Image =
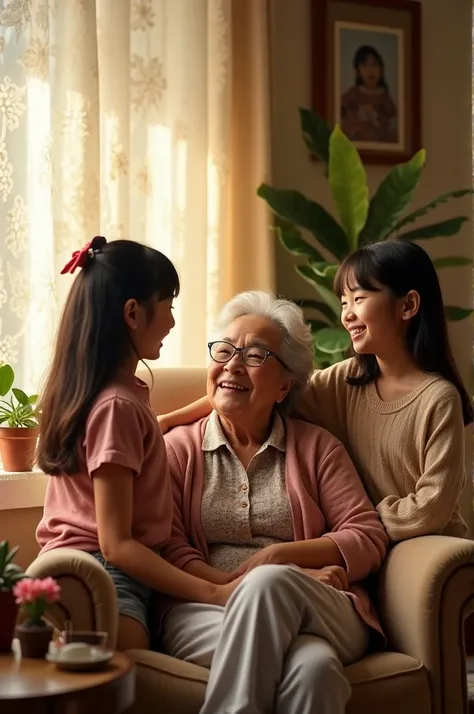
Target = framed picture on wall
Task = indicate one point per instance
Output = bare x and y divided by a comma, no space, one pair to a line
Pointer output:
366,73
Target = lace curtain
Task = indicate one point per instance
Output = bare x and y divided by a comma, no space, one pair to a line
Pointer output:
115,119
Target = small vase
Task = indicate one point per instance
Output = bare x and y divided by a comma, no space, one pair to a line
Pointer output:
34,640
8,615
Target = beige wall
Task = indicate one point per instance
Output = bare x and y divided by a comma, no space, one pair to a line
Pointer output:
18,526
446,132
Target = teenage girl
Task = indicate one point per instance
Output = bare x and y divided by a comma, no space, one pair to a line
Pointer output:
109,491
399,404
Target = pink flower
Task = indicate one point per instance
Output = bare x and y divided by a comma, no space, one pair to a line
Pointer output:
30,590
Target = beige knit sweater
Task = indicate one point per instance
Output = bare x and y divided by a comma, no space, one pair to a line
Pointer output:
409,453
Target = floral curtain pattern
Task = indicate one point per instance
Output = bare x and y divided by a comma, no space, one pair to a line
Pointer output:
114,120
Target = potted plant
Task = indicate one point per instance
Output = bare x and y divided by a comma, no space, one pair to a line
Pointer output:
10,575
19,430
35,596
362,219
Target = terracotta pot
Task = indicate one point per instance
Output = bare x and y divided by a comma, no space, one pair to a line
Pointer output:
8,615
34,641
17,448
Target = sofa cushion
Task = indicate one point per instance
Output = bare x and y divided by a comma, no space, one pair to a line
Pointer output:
385,682
388,682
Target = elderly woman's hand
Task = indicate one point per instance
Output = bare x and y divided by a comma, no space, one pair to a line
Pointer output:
332,575
223,592
270,555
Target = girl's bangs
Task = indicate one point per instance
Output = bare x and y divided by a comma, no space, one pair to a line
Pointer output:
166,277
357,270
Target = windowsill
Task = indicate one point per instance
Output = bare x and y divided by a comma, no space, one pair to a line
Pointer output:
22,490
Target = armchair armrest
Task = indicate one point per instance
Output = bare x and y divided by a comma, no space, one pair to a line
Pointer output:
88,597
425,591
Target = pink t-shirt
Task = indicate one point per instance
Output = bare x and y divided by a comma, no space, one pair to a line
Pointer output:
121,429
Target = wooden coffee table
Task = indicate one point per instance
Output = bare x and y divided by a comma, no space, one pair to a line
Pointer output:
35,686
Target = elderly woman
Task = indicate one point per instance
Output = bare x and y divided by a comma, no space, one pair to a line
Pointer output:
278,501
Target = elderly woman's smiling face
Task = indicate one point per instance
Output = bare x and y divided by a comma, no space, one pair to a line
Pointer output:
239,391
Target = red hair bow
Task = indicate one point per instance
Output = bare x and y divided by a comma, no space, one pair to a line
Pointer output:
80,258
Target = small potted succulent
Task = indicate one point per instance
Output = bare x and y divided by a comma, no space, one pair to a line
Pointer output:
35,596
10,575
18,424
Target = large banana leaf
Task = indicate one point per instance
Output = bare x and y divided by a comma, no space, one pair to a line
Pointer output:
318,283
324,269
294,207
392,197
291,239
322,307
348,182
420,212
316,134
332,340
317,325
454,313
443,229
451,261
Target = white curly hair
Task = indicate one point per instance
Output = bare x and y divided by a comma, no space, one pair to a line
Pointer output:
297,345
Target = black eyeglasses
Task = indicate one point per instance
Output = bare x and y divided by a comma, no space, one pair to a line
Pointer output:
251,356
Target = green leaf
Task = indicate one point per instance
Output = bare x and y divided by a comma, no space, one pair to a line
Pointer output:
316,281
33,398
348,182
451,261
6,379
12,554
443,229
324,269
332,340
454,314
295,207
321,359
316,133
420,212
20,395
336,357
317,325
3,554
292,240
308,304
392,197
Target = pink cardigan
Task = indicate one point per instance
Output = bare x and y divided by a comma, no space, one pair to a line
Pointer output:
326,497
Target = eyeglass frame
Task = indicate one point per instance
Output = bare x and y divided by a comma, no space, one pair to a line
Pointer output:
239,350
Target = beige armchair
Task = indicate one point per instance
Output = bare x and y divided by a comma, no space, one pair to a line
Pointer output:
425,590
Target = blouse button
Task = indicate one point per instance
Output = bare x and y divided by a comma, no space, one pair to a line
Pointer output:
244,487
245,504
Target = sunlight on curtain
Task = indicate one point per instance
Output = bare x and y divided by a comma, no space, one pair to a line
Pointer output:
114,120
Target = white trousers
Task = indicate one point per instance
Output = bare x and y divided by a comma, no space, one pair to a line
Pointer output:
278,646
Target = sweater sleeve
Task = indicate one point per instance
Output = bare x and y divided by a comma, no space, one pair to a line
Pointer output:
323,401
178,551
354,525
428,509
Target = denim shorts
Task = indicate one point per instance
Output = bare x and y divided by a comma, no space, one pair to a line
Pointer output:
134,598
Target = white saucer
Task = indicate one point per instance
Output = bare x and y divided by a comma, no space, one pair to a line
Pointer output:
95,661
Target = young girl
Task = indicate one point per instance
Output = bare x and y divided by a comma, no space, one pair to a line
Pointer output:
399,405
367,110
109,491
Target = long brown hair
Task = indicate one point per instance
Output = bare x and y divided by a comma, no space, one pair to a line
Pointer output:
402,266
93,340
